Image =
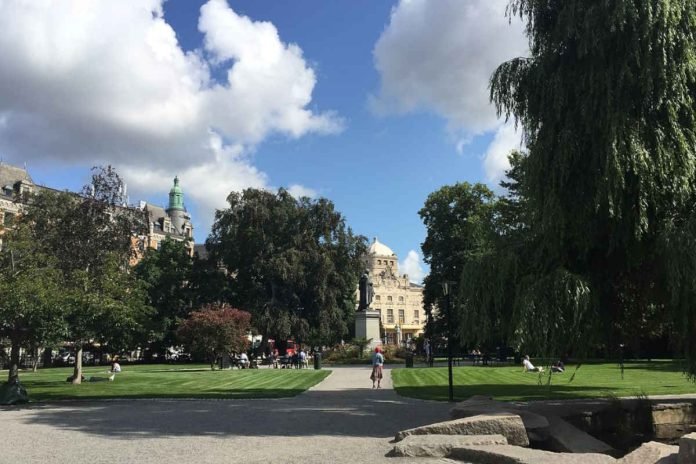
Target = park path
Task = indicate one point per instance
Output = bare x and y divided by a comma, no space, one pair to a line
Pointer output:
340,420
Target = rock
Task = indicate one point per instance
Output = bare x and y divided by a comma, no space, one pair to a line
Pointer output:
652,452
687,449
565,437
506,454
508,425
672,420
537,425
440,445
13,393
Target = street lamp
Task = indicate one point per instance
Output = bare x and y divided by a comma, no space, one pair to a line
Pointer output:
446,290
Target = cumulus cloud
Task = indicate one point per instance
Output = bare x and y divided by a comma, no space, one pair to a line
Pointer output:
495,161
439,57
103,81
299,191
413,266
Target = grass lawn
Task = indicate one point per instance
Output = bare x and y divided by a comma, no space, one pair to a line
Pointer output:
510,383
170,381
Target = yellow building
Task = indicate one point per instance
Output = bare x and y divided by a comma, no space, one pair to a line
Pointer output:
398,300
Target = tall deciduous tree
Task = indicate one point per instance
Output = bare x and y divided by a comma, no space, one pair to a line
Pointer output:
92,237
167,272
293,263
460,227
606,102
31,303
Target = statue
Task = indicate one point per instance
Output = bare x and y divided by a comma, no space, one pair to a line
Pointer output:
366,291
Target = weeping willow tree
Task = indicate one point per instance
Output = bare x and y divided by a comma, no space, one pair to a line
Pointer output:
606,104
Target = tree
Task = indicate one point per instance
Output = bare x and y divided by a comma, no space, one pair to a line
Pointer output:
167,273
92,237
460,226
31,309
293,263
606,103
215,330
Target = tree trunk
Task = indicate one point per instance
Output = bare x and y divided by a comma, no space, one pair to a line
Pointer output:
35,359
14,363
47,357
77,372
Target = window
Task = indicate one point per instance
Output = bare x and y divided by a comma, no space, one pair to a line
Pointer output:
390,316
401,299
401,316
379,262
378,298
416,315
389,299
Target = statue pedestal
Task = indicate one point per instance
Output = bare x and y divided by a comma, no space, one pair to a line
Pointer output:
367,325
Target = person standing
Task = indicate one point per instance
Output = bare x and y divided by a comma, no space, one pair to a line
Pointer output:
377,363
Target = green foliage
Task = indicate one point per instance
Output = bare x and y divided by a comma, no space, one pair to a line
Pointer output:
293,263
460,228
215,330
31,303
91,239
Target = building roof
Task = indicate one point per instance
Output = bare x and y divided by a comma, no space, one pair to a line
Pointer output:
10,175
380,249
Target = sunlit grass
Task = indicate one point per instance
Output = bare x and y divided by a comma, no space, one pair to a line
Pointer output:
510,383
170,381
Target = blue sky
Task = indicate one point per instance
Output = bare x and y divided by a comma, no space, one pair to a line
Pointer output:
373,104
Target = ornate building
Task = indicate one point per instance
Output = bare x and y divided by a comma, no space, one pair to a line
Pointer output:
173,222
398,300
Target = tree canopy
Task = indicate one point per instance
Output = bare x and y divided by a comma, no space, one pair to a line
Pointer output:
294,264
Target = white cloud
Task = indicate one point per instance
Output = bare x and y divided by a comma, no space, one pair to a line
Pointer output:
299,191
439,56
413,266
97,81
495,161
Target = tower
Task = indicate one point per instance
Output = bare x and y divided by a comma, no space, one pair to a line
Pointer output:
176,210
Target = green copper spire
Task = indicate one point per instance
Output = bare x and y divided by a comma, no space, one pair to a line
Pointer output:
176,196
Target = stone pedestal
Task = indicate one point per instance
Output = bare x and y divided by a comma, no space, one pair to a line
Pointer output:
367,325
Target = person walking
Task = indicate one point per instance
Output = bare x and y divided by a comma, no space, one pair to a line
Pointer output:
377,363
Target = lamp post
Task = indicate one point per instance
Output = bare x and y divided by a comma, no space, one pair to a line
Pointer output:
446,290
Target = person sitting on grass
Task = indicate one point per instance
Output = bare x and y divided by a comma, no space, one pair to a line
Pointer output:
529,367
558,367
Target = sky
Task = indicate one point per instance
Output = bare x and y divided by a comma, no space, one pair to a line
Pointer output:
373,104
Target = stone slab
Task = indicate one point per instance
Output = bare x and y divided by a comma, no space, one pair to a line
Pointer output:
440,445
652,452
565,437
508,425
687,449
476,405
507,454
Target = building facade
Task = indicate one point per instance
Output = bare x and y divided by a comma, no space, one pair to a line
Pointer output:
174,222
398,300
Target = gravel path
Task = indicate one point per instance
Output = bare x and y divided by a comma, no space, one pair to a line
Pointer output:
340,420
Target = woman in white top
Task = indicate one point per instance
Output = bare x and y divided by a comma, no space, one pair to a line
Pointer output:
529,367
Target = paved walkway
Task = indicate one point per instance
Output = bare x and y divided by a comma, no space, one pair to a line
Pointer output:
341,420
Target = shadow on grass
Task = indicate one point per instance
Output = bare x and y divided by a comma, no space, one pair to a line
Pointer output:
517,392
246,393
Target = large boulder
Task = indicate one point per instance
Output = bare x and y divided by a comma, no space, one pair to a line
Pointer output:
441,445
508,425
506,454
565,437
687,449
537,425
652,452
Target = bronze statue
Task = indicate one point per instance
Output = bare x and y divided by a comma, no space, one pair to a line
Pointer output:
366,291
